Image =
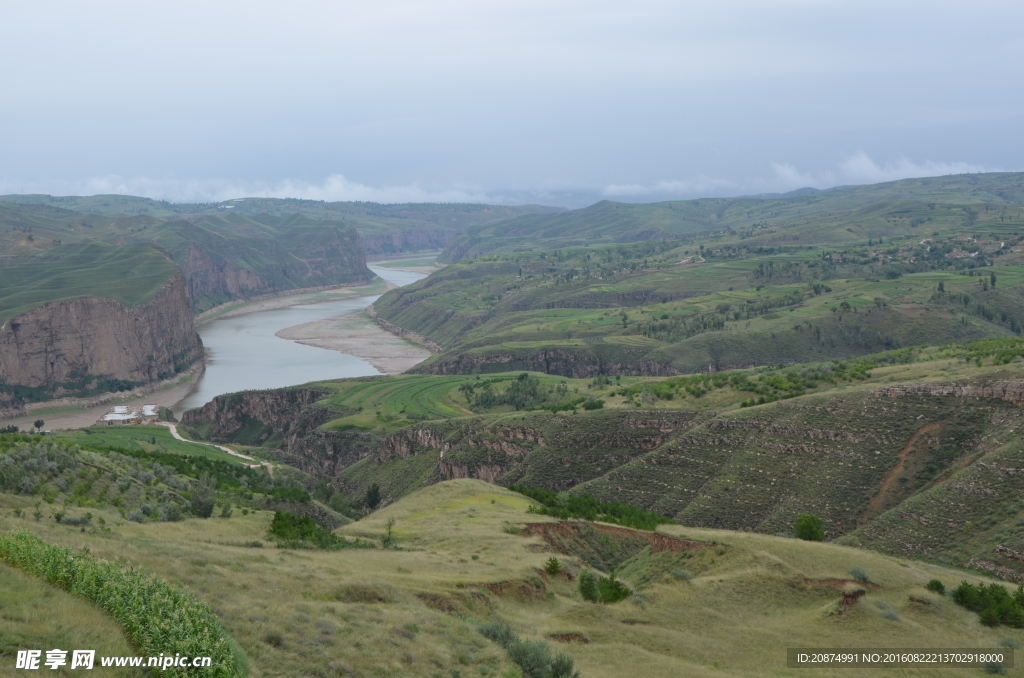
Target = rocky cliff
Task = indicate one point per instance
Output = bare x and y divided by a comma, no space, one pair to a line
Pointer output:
91,345
411,240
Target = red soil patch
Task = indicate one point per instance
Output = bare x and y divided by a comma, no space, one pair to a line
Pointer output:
437,602
636,622
570,638
876,506
519,588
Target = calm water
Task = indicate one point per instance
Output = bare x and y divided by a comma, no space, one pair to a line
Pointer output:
245,354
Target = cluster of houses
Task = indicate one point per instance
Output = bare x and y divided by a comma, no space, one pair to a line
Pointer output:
124,414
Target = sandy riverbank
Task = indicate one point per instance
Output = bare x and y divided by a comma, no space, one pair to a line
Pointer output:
356,334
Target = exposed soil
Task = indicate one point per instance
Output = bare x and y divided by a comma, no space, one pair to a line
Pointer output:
878,503
569,638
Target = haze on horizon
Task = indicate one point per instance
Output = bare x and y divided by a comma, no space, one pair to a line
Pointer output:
557,102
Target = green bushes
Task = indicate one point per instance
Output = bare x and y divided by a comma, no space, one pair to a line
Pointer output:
992,603
859,575
563,505
552,566
809,527
533,656
602,589
295,531
156,617
936,586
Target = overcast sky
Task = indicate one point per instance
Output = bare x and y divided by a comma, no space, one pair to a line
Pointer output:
551,101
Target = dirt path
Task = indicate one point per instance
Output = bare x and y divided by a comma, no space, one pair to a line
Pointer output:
178,436
876,505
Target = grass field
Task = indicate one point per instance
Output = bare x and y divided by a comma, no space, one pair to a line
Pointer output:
412,611
147,438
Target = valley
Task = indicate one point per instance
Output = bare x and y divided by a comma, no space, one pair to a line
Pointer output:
716,372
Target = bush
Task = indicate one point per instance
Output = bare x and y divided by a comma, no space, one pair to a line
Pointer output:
588,586
564,505
69,520
499,632
169,513
859,575
373,495
809,527
995,668
1007,641
992,603
562,666
685,575
136,516
532,656
593,404
552,566
226,511
612,590
936,586
156,617
302,532
203,495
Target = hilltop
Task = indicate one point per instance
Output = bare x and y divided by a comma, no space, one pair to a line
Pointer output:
384,229
467,553
874,210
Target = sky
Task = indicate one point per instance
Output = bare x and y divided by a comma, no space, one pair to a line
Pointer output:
556,102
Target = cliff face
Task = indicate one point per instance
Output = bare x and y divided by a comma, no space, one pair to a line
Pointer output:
412,240
88,345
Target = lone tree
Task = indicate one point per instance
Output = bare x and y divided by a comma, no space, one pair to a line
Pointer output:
38,423
373,495
809,527
204,495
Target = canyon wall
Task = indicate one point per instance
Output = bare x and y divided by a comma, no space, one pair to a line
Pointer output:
411,240
91,345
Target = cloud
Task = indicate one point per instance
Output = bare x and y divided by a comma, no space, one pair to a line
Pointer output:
334,188
860,168
702,185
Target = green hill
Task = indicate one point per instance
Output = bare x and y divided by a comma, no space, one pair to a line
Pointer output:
223,256
869,211
468,553
131,274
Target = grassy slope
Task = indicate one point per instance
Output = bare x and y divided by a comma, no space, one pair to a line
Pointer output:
378,612
141,438
365,216
132,275
41,617
706,299
874,208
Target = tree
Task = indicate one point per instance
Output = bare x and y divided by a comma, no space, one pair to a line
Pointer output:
204,495
38,423
942,286
809,527
992,277
588,586
373,495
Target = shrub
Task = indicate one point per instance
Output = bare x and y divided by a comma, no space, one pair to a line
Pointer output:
612,590
564,505
499,632
136,516
226,511
70,520
156,617
203,495
995,668
563,666
685,575
302,532
1007,641
552,566
992,603
588,586
936,586
809,527
147,509
532,656
891,614
274,639
373,495
593,404
859,575
169,513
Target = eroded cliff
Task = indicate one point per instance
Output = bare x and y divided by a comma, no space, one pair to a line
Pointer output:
91,345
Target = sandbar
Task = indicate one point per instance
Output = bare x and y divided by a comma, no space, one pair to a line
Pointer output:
356,334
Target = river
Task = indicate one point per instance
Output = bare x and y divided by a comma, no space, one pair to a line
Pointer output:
244,353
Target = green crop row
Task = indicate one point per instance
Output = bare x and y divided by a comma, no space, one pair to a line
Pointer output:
156,617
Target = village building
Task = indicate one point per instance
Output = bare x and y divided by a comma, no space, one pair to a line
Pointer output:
123,414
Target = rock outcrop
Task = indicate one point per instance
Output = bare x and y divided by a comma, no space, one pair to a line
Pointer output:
1011,391
86,346
411,240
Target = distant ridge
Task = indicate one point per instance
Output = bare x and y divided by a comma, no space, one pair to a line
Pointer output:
807,190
